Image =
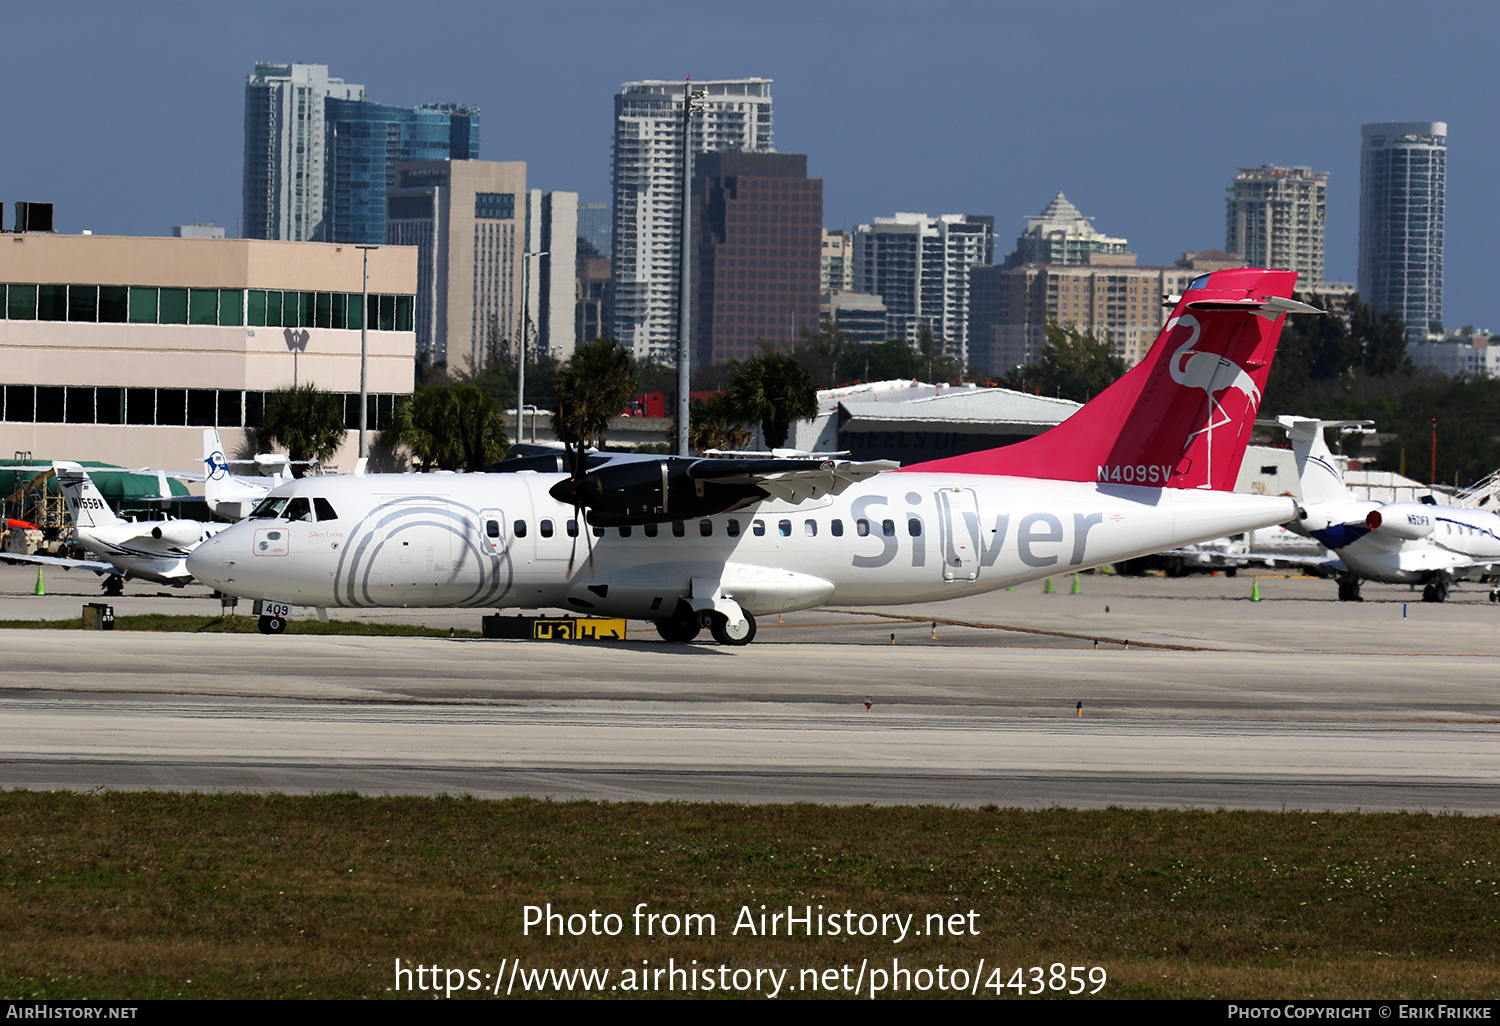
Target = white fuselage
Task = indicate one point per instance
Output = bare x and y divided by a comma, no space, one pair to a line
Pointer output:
135,549
500,540
1459,538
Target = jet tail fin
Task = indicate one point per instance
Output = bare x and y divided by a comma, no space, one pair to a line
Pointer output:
85,503
1318,474
1183,416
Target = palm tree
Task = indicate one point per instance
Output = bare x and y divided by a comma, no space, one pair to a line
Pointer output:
775,390
451,427
593,386
306,422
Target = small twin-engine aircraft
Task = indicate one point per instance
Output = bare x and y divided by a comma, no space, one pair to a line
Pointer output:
693,543
1392,542
150,550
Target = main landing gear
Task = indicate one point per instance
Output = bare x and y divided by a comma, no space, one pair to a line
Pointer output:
1436,589
114,585
685,624
1349,588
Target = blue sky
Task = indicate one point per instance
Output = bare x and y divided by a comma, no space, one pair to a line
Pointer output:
129,116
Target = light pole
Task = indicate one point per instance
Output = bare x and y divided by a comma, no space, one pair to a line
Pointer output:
691,104
364,351
521,359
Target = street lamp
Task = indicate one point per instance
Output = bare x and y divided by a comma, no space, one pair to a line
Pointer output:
364,351
692,103
521,361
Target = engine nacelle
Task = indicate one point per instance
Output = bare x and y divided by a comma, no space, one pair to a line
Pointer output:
1321,516
1407,520
182,533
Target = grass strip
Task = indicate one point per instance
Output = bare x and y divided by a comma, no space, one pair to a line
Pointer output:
154,895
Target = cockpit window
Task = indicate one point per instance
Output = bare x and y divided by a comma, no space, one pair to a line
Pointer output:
298,508
324,509
1200,282
269,509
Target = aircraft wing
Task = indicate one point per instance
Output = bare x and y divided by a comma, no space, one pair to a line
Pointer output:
655,489
790,480
98,566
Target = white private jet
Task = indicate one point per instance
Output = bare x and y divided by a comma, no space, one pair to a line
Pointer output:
151,550
1394,542
692,543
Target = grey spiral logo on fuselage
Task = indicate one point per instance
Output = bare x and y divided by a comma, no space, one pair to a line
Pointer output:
475,576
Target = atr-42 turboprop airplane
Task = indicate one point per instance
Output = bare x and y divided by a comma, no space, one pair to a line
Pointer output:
688,543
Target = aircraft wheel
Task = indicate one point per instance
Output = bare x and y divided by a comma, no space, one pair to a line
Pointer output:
678,630
114,586
727,635
1440,590
272,625
1232,571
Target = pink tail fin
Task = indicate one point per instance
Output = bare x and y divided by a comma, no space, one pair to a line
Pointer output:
1182,417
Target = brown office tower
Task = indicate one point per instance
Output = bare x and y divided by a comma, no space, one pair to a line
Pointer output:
757,237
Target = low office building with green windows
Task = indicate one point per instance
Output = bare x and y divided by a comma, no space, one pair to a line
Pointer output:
123,349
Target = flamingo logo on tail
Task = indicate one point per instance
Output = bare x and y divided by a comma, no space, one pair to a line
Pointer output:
1208,373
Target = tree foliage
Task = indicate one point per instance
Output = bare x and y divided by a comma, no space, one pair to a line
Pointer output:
451,427
305,421
712,425
1323,358
1074,364
941,363
597,383
775,390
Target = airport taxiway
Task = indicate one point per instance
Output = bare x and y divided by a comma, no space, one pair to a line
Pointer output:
1296,701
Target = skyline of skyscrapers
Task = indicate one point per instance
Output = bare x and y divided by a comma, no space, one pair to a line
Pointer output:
1275,217
1402,183
735,115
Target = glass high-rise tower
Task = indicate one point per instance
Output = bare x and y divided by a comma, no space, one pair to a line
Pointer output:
319,157
1402,174
736,116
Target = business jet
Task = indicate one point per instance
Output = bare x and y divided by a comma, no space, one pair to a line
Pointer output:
1393,542
149,550
692,543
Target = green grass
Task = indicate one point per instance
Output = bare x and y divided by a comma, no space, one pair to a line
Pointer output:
242,625
140,895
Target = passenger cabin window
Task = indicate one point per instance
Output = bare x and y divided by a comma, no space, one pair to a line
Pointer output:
572,529
888,528
546,528
678,529
625,531
706,527
810,528
650,530
784,528
862,528
836,528
733,528
492,529
520,529
758,527
598,532
914,527
324,509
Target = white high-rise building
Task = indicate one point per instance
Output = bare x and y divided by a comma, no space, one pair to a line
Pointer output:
646,246
285,148
919,266
1403,170
1274,218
